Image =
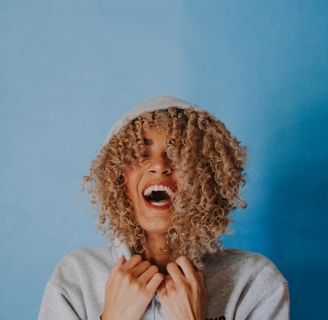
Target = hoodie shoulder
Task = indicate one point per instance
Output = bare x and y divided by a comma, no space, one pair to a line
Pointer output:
88,261
242,264
241,281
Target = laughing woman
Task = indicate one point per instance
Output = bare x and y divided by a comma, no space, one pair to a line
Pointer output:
164,184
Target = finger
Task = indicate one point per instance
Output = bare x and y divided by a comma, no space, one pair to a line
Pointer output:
148,273
175,273
161,290
201,273
165,285
201,278
153,284
187,268
134,261
140,268
168,281
120,262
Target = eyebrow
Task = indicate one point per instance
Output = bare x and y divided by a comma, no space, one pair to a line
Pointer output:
148,142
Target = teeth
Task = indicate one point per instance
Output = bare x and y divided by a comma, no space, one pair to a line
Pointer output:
160,187
159,204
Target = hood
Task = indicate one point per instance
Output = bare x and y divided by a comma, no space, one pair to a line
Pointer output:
158,103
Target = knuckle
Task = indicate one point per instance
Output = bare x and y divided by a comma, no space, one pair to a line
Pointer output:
125,278
136,286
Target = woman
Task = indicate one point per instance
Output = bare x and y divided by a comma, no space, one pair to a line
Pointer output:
164,184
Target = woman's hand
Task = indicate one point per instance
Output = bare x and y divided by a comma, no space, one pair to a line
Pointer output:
183,294
130,288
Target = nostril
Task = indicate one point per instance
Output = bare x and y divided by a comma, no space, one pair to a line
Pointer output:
167,171
159,165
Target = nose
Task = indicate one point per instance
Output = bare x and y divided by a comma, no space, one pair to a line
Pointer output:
160,165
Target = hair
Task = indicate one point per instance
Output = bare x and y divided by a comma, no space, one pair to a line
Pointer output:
210,167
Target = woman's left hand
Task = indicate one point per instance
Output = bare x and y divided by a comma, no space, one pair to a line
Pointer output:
183,294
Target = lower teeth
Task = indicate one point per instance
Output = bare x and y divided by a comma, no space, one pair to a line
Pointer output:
158,204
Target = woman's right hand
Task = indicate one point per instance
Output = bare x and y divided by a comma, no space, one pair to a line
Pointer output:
130,288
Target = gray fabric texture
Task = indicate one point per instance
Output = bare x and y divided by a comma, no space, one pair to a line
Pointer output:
242,285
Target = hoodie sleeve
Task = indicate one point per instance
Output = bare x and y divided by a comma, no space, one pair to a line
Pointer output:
56,305
75,290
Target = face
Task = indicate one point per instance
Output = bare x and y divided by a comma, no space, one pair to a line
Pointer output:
152,184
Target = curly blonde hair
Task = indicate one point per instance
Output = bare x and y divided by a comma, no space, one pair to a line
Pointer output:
210,165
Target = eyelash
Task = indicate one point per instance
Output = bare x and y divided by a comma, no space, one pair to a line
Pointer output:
145,155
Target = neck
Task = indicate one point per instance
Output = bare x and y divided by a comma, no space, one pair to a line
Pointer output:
157,251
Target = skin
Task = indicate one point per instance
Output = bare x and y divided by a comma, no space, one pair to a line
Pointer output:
132,284
183,294
130,288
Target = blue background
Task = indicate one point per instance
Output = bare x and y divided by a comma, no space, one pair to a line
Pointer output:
70,69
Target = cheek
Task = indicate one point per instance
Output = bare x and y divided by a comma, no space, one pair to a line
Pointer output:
132,179
129,181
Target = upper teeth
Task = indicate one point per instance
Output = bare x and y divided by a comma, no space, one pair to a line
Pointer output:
160,187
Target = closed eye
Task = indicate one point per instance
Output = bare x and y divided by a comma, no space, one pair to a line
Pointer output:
148,142
145,155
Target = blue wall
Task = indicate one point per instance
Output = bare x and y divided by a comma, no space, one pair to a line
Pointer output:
69,69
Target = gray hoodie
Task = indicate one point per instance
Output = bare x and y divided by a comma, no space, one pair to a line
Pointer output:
241,285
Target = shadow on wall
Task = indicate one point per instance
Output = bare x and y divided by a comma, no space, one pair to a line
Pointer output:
299,214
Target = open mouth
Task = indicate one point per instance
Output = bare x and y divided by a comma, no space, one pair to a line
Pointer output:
159,195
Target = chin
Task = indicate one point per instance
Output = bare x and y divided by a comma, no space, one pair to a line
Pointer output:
155,228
